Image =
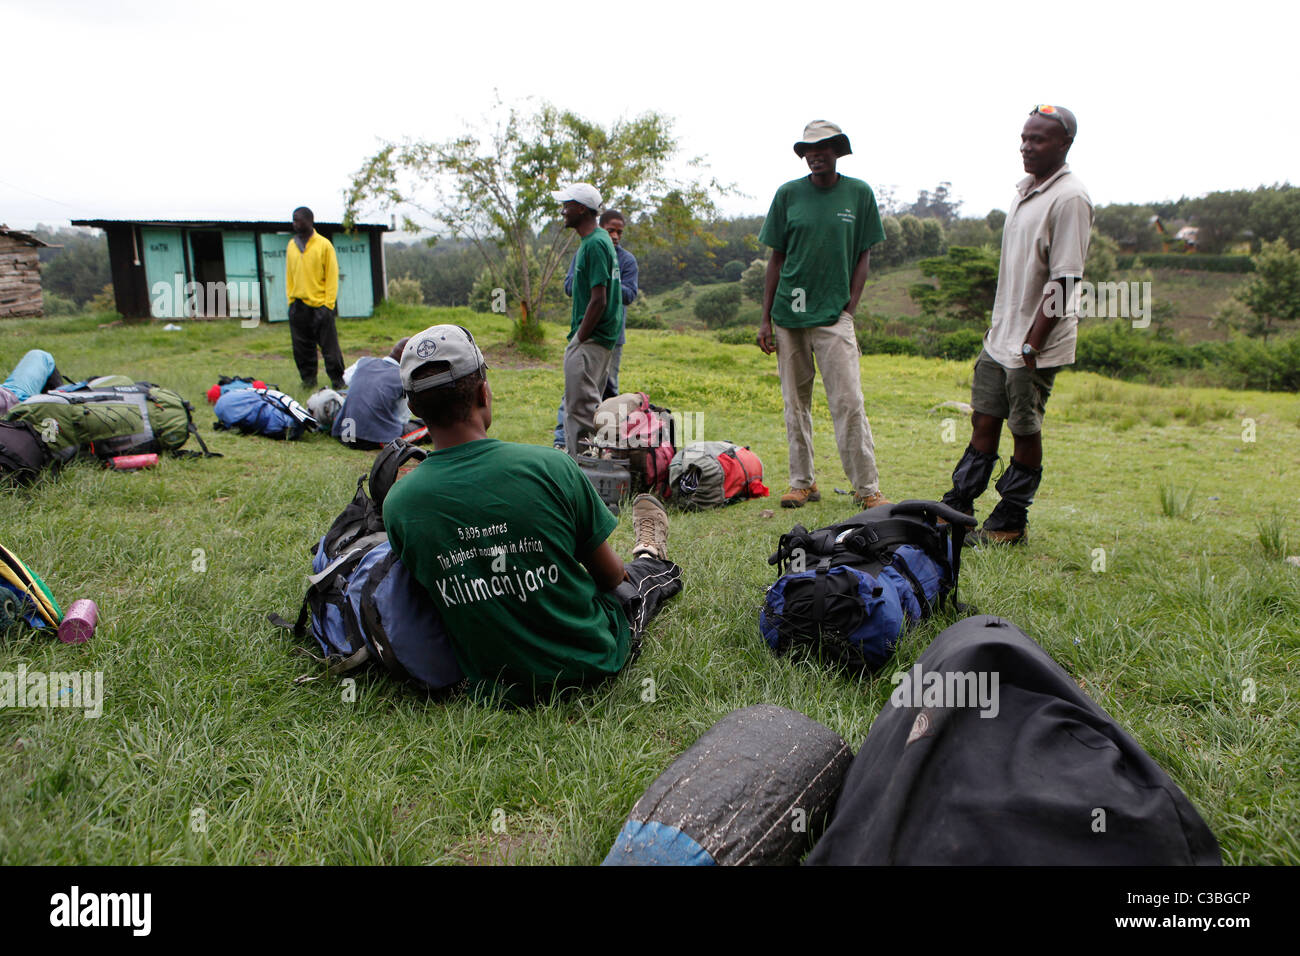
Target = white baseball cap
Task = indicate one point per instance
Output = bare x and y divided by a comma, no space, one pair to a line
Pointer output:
441,343
584,193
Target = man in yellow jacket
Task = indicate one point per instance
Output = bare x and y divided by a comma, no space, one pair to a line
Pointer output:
312,285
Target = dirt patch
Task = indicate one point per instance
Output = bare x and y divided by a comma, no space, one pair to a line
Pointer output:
501,848
509,356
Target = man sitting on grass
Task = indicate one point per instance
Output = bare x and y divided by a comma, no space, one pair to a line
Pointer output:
374,412
510,540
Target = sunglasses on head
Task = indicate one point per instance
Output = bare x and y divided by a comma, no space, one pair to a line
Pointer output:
1046,109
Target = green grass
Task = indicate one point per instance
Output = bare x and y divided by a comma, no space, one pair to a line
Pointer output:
207,751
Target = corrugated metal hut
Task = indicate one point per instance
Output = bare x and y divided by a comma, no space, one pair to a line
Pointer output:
20,274
184,268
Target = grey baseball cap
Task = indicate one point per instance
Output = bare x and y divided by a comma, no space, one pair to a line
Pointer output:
441,343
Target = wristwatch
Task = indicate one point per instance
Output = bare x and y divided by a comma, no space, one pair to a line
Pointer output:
1028,351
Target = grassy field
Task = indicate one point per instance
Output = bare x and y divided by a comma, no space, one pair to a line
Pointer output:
207,752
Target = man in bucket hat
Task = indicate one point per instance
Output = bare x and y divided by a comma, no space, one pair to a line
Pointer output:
511,541
821,229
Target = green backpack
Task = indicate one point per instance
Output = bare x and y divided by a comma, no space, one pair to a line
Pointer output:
109,416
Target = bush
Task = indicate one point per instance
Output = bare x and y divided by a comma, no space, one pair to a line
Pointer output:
643,319
733,270
1193,261
753,279
671,303
872,344
737,335
405,291
718,306
960,345
103,301
55,304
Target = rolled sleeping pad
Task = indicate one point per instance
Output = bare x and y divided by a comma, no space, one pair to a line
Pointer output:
754,789
988,753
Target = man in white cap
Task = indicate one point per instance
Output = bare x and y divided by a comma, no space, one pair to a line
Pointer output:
594,320
511,540
1034,328
821,229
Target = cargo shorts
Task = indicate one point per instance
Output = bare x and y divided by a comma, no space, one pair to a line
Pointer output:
1018,395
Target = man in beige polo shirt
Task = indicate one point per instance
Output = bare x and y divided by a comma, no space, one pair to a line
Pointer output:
1034,329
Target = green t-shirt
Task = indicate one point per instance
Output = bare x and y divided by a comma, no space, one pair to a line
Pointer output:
596,263
494,531
823,232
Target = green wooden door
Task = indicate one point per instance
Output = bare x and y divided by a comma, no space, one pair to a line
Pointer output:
164,271
356,291
243,294
273,246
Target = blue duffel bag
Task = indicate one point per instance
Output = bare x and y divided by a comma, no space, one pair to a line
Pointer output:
262,411
848,591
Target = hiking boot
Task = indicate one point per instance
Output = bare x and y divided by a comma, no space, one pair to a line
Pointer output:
871,501
650,524
797,497
983,538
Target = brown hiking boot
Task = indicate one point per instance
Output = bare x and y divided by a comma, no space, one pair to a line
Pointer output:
984,538
650,524
870,501
796,497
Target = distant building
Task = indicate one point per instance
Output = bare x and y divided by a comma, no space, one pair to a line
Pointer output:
20,274
174,268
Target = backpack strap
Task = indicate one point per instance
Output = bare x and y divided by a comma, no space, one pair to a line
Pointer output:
387,464
374,626
899,564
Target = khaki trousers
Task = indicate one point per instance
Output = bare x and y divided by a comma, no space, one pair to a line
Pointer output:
835,350
586,369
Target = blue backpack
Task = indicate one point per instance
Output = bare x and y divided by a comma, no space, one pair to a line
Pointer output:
848,591
362,603
262,411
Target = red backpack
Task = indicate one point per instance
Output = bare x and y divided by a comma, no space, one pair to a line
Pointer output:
642,433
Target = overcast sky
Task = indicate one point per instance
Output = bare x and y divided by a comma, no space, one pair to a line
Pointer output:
247,109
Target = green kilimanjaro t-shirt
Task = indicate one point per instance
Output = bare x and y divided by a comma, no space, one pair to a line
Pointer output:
494,530
823,232
596,263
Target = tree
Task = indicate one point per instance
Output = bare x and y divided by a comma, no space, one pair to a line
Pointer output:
1129,225
932,237
1275,214
1220,217
717,307
891,252
913,237
494,188
1272,293
1101,262
967,283
752,281
77,270
937,205
970,232
996,219
733,270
